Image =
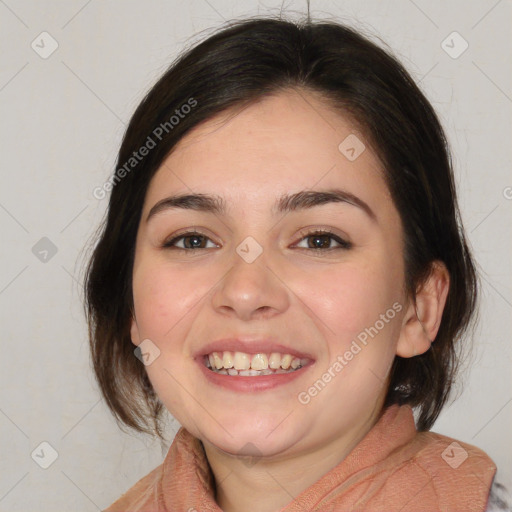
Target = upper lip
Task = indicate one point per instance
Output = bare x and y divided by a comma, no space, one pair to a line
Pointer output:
253,346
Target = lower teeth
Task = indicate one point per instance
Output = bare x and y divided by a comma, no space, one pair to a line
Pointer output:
253,373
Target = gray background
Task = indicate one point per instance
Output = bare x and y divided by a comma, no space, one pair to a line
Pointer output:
62,118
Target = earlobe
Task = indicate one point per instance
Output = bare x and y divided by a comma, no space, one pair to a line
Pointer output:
423,316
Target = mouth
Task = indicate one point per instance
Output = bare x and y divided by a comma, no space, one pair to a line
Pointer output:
250,364
243,364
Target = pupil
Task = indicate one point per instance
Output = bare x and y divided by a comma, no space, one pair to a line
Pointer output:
194,241
319,237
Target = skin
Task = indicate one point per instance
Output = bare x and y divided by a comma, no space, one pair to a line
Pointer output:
316,300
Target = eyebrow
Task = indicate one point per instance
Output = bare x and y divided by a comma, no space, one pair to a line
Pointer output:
286,203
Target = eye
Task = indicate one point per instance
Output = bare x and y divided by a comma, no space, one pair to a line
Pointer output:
191,240
321,240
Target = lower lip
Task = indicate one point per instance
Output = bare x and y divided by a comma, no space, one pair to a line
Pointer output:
250,384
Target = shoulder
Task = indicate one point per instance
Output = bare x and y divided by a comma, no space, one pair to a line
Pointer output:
184,462
140,495
458,473
438,453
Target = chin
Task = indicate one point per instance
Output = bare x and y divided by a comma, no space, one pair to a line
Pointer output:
269,437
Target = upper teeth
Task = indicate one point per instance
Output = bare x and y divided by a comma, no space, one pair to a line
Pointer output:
243,361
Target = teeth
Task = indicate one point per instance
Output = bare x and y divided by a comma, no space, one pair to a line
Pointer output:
217,361
286,361
227,360
295,363
249,373
274,361
259,362
240,363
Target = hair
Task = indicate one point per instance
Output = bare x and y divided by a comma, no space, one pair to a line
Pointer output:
235,67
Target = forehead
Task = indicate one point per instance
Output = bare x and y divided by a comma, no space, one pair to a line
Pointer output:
282,143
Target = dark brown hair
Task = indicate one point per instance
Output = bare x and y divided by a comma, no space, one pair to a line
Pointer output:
238,65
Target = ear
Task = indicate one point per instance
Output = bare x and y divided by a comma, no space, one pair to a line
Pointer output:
423,316
134,331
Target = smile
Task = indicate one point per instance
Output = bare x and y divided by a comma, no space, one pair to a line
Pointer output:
253,365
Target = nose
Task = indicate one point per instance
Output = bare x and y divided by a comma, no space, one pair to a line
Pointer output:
251,291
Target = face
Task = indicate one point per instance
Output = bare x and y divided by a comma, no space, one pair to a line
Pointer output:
308,291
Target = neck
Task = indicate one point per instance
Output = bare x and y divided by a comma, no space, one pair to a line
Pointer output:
267,484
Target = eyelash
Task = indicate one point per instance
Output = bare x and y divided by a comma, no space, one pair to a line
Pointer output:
343,244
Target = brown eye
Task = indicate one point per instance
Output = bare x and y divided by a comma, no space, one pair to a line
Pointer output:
318,240
192,240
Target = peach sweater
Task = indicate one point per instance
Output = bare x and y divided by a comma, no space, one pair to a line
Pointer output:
393,468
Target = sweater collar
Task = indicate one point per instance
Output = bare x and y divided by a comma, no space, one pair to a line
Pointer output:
188,482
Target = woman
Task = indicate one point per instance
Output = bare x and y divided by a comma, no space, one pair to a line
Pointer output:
284,252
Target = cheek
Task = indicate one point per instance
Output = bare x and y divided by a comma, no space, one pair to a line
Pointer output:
165,299
351,298
360,305
164,296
